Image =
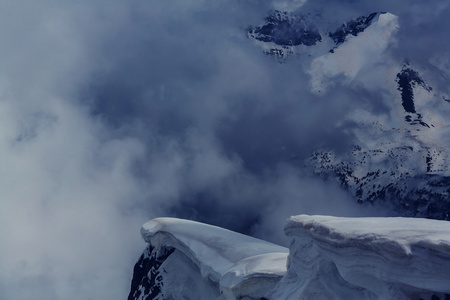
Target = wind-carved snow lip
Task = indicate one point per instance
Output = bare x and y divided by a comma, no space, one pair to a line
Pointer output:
366,258
329,258
395,235
234,261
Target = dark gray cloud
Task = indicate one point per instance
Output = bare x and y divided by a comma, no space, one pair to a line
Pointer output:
115,113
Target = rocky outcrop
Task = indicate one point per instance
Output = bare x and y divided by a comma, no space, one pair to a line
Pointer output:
353,27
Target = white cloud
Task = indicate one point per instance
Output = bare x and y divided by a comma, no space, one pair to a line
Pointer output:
288,5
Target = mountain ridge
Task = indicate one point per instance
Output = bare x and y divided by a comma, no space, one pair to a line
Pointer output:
400,160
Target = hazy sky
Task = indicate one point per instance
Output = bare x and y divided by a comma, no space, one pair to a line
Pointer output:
116,112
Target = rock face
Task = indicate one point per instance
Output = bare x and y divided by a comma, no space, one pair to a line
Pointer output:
190,260
366,258
384,174
400,162
285,31
352,27
147,278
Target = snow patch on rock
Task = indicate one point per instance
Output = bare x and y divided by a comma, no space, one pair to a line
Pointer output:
354,56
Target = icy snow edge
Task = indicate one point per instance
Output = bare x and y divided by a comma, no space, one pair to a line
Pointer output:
366,258
238,263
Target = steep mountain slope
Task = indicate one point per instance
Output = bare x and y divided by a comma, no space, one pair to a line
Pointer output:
399,157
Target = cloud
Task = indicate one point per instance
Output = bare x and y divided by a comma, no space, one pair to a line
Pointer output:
288,5
114,113
64,197
293,192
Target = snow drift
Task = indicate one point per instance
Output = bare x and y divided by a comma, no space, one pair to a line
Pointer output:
329,258
190,260
366,258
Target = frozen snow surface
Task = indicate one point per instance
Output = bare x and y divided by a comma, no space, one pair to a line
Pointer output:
366,258
199,261
329,258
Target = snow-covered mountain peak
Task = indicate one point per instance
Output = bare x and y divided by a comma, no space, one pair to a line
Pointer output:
285,29
358,53
287,33
352,27
402,155
283,32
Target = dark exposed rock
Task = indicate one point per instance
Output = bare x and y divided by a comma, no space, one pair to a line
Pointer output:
146,282
285,29
352,27
407,79
411,194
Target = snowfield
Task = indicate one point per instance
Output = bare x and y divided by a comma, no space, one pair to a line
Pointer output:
329,258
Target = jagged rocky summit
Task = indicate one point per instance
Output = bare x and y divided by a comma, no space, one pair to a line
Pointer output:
286,33
399,157
283,31
329,258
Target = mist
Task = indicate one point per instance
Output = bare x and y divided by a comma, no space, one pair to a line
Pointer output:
116,113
